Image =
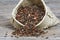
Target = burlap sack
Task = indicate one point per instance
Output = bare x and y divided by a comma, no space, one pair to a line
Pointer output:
49,19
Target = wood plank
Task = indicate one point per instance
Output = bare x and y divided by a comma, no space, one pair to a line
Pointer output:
6,7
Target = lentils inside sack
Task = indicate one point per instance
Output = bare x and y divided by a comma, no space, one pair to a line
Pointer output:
29,16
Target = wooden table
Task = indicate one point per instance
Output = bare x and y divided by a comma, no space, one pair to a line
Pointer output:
6,7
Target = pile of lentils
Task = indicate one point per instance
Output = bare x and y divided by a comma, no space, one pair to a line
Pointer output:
29,16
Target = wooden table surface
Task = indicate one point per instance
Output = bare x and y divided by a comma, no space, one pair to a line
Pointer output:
6,7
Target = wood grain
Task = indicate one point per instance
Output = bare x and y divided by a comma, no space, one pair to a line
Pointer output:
6,7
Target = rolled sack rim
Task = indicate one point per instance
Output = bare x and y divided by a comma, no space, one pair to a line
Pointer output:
15,10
